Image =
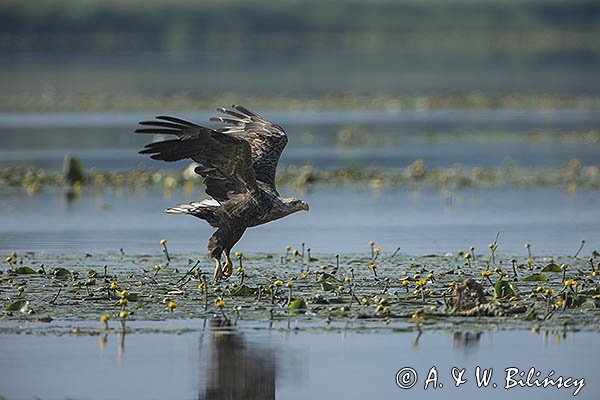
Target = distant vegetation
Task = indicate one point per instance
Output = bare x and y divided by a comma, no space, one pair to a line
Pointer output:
570,177
344,54
187,24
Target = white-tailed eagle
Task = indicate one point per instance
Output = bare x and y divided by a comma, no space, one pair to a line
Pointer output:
238,163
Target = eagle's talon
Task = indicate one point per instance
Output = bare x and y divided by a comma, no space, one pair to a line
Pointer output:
218,271
228,268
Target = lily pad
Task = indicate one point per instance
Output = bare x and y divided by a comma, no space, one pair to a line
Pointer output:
132,297
61,272
298,306
503,289
24,270
318,299
19,305
326,276
552,268
532,315
536,278
575,301
242,291
327,282
591,304
336,300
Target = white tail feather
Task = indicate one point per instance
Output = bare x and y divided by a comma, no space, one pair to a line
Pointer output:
192,207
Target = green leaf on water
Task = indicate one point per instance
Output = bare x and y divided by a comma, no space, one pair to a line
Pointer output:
591,304
552,268
336,300
297,306
320,300
24,270
536,278
133,297
242,291
532,316
19,305
327,282
61,272
578,300
503,289
326,277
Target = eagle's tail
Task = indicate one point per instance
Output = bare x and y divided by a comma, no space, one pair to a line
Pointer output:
204,209
181,209
193,207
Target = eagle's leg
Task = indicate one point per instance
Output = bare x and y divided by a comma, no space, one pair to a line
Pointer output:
221,243
228,267
218,270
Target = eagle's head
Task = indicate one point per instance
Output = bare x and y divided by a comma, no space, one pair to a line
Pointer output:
296,205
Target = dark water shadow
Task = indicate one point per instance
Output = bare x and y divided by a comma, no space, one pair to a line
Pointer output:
235,368
466,341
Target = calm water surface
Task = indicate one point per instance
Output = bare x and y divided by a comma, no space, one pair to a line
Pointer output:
255,362
341,220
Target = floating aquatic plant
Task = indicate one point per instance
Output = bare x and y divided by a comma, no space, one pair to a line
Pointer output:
339,287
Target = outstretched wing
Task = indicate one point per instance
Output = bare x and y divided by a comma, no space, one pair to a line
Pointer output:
226,160
267,140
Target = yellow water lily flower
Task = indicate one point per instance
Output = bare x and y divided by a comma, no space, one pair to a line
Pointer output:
570,282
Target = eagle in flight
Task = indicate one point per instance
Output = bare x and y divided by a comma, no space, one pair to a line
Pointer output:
238,163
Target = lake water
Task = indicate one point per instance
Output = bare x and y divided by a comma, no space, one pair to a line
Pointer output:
325,139
262,361
341,220
276,360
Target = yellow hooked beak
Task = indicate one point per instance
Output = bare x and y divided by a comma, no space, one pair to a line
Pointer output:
305,206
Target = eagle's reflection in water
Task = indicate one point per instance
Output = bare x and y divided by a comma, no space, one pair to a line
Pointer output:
466,340
236,369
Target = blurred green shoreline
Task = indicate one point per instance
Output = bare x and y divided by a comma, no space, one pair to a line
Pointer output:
73,55
110,25
571,177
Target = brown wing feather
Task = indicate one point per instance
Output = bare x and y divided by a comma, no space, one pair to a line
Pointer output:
267,140
226,160
210,147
